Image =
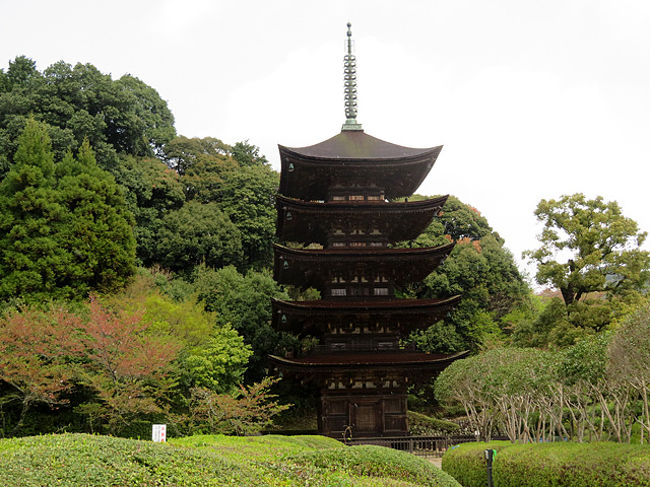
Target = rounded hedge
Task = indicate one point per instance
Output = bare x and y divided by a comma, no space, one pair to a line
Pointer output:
73,460
574,465
466,462
379,462
551,464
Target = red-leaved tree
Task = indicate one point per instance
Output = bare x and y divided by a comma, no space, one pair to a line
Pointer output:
37,356
127,367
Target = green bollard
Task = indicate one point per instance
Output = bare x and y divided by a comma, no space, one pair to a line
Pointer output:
490,455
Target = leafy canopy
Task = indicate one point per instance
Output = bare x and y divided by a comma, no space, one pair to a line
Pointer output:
64,226
116,116
588,246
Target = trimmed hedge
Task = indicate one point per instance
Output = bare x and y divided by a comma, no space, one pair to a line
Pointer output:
466,462
379,462
72,460
421,424
552,464
574,464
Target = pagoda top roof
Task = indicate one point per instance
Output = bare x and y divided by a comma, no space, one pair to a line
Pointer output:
357,145
369,359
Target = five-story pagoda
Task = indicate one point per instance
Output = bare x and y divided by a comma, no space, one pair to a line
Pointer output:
337,199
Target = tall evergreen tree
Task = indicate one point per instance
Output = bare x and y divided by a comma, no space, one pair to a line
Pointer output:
64,227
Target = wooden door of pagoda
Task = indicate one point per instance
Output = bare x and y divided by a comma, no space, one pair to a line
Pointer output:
366,416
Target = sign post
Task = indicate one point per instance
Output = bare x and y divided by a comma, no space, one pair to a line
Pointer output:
159,433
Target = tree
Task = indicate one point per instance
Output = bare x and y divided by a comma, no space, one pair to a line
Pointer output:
588,246
116,116
128,368
218,364
198,233
244,301
479,268
248,198
182,153
248,154
64,227
36,351
213,355
152,191
244,413
591,253
629,361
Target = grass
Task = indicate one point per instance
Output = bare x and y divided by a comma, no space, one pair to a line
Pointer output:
210,460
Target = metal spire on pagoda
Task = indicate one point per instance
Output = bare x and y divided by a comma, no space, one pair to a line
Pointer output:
350,77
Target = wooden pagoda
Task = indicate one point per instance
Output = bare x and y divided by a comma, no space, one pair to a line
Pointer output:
337,201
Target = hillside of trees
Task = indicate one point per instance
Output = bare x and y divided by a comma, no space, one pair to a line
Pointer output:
135,268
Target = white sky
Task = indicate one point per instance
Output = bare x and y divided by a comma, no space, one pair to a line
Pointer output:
531,99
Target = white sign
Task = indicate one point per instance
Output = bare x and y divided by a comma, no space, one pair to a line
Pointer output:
159,433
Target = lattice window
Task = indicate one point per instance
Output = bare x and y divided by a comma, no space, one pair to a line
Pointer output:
380,291
339,292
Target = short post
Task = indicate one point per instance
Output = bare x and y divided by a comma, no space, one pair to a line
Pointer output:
159,433
489,458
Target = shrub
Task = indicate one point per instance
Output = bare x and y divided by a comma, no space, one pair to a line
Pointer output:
246,413
466,462
421,424
573,464
377,461
552,464
269,461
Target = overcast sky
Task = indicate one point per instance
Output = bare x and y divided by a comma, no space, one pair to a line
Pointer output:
531,99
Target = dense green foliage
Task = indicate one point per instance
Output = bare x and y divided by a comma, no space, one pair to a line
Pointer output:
64,226
480,269
244,302
591,253
377,462
73,460
558,464
116,116
198,233
466,462
421,424
596,389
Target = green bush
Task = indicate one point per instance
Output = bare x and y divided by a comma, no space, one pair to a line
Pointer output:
421,424
574,465
72,460
552,464
102,461
378,462
466,462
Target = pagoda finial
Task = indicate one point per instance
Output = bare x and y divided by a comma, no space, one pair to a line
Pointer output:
350,77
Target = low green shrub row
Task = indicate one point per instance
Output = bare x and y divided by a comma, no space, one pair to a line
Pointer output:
466,462
551,464
73,460
377,462
421,424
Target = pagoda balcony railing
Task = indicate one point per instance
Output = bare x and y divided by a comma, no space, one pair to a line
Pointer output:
360,347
